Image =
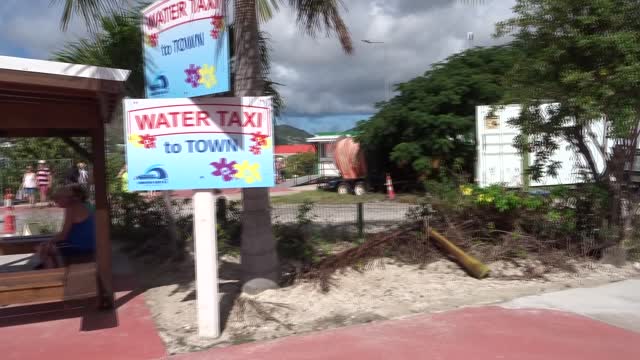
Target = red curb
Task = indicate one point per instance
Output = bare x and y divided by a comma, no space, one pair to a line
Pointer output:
475,333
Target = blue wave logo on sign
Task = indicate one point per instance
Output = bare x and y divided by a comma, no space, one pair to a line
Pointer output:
154,175
159,86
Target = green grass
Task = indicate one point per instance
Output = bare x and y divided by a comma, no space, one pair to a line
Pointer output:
329,197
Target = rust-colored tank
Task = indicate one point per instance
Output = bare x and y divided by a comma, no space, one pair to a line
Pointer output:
349,159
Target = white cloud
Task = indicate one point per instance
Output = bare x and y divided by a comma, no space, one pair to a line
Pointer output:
416,33
319,78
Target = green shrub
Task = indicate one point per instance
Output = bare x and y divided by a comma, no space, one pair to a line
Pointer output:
142,225
506,200
295,241
300,165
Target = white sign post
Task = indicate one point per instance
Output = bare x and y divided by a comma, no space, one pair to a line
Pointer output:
206,252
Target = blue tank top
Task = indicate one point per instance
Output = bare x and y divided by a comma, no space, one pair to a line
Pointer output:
82,235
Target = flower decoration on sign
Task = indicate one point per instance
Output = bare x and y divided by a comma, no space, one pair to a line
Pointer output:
135,139
218,26
249,172
259,138
208,76
224,169
255,149
148,141
267,143
193,75
260,141
153,40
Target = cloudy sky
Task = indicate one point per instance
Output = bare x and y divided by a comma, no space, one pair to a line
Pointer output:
325,90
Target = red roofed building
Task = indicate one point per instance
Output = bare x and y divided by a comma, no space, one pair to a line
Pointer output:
288,150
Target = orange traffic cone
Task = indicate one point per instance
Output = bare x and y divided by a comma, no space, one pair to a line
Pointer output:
390,193
9,221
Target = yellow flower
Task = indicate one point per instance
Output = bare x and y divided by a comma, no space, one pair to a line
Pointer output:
208,76
485,198
466,190
134,139
267,143
249,172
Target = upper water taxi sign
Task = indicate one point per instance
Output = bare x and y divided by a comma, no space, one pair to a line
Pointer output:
186,48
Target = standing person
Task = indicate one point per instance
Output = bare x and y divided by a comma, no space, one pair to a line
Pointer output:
83,175
279,170
43,176
29,184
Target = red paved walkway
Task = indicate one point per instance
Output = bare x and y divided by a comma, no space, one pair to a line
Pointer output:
78,332
475,333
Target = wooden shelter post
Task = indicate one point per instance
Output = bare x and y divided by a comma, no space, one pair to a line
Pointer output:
103,239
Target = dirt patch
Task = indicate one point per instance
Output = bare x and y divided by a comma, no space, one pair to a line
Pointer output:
388,290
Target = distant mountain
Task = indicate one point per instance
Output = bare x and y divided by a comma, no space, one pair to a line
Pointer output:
287,134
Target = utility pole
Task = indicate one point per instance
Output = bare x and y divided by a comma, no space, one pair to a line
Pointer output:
384,59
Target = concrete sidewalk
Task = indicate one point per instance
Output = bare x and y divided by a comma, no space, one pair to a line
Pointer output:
617,304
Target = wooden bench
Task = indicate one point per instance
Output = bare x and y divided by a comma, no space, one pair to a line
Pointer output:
76,281
21,244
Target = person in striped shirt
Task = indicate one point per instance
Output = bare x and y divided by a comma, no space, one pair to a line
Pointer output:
43,176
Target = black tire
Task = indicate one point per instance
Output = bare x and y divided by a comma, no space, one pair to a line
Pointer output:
360,188
344,188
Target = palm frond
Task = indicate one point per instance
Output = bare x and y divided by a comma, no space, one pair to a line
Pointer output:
266,9
277,101
90,10
117,44
316,16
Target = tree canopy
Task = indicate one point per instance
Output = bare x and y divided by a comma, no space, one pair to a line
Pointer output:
431,121
583,56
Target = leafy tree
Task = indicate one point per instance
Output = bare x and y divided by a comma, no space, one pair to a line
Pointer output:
431,122
584,57
300,165
258,252
29,149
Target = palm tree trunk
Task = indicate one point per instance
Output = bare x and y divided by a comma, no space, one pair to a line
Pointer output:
258,250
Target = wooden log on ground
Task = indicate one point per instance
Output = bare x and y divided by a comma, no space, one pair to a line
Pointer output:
471,264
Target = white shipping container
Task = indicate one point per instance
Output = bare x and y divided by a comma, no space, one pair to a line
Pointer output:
499,162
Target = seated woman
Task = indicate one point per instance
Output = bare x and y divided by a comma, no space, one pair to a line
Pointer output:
76,241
